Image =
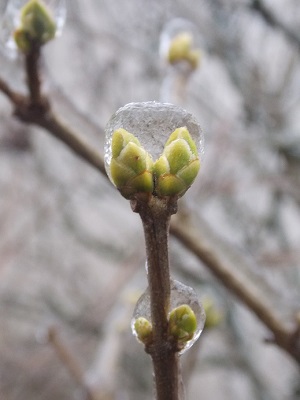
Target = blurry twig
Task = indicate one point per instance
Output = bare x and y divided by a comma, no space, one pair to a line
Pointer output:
36,109
286,338
272,20
69,361
40,114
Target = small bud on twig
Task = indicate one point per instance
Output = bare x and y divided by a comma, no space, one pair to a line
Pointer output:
182,323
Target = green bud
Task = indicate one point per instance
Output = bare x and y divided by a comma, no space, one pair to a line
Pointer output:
213,315
181,50
131,165
22,40
37,24
143,329
178,166
182,323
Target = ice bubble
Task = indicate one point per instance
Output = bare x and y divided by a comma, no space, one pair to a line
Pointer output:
151,123
180,294
10,21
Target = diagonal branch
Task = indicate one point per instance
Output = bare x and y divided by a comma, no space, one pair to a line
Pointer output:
272,20
238,284
40,114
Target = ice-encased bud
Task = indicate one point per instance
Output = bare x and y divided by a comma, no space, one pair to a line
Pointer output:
182,323
180,295
178,166
143,330
34,20
178,44
37,24
131,165
151,123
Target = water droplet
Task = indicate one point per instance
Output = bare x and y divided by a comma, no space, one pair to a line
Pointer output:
10,21
180,294
152,123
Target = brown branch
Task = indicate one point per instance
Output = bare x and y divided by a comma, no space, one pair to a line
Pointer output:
13,96
32,60
259,7
69,361
155,214
52,124
42,116
187,233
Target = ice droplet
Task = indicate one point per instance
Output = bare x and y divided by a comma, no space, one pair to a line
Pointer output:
10,21
180,294
152,123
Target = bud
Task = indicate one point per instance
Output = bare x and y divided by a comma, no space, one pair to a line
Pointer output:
25,22
36,25
143,330
182,323
213,315
181,50
131,165
178,166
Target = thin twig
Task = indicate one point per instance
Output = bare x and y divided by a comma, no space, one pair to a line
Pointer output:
155,214
271,19
47,120
13,96
187,233
69,361
32,60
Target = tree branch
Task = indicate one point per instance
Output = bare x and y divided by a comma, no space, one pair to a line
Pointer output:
69,361
40,114
43,116
258,6
242,288
155,214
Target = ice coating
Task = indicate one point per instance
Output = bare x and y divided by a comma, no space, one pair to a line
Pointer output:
180,294
152,123
10,21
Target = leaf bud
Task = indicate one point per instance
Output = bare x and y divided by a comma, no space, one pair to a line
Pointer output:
181,50
143,330
213,315
131,165
37,25
182,323
178,166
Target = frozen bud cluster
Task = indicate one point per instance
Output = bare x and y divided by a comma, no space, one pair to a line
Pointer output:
186,316
178,166
131,165
152,148
28,22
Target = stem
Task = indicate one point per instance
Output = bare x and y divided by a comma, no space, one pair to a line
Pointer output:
286,337
155,214
33,76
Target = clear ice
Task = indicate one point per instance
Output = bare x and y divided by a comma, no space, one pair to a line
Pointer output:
10,21
152,123
180,294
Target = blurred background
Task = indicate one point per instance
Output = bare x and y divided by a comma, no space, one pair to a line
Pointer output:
72,252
